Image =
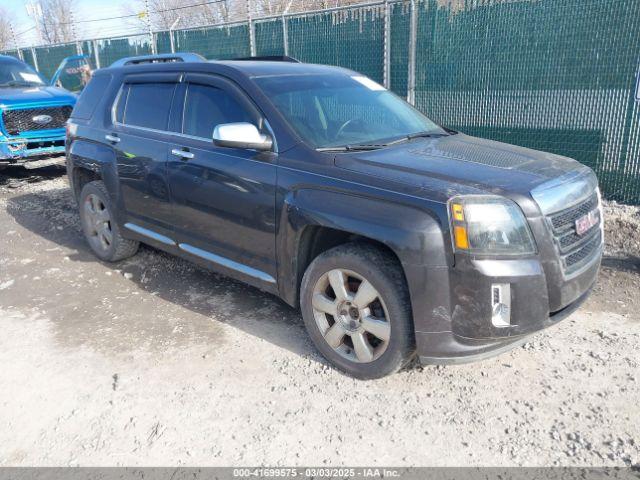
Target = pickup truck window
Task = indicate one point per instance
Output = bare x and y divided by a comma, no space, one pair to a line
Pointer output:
331,110
207,106
147,105
14,73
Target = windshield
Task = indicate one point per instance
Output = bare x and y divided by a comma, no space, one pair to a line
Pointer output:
15,73
336,109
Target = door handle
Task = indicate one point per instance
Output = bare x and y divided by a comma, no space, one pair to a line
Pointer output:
182,154
112,138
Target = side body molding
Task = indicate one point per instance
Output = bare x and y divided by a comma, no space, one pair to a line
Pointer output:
414,235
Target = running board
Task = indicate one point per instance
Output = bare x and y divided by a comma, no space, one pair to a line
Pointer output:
225,262
210,257
149,234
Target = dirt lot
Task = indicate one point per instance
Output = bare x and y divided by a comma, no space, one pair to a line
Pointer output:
154,361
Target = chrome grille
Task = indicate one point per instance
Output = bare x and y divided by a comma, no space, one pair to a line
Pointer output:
576,250
20,121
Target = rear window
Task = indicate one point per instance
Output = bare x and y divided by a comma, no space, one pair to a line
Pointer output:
146,105
90,97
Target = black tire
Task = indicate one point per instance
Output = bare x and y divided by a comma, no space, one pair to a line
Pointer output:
119,247
383,271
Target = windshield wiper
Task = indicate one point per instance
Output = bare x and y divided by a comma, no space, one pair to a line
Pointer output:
351,148
376,146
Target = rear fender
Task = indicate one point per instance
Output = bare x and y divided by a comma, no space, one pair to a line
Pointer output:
96,158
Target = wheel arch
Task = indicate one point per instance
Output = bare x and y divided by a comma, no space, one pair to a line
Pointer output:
88,161
313,221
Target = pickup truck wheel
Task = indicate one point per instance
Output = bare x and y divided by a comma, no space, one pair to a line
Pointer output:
356,308
99,226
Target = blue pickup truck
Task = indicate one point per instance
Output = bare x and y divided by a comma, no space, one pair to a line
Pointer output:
33,113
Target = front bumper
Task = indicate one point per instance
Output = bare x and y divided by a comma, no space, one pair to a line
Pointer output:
15,150
455,324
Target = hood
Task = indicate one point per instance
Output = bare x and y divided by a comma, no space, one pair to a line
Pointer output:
458,164
23,96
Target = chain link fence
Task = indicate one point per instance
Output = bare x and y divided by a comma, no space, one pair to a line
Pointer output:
554,75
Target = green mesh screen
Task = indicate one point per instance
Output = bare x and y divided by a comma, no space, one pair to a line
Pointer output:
551,75
11,53
163,42
352,38
269,36
215,42
49,58
112,49
399,38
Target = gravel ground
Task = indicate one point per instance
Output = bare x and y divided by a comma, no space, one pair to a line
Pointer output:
154,361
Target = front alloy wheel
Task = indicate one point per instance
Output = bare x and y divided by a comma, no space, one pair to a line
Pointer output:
355,305
351,315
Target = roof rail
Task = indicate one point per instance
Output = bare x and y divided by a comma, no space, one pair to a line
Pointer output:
161,58
270,58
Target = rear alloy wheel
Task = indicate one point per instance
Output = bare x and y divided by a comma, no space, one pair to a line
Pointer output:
99,225
356,308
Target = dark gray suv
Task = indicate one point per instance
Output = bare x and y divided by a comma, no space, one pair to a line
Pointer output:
395,236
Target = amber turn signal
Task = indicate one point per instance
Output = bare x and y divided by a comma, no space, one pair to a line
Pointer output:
460,234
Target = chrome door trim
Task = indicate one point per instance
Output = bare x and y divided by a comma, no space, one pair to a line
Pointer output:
226,262
149,233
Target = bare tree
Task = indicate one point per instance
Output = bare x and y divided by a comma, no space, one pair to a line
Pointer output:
192,13
196,13
54,19
6,37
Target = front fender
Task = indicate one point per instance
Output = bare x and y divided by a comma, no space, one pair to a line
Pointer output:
415,235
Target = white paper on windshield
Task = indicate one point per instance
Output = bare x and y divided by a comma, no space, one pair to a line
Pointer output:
367,82
30,77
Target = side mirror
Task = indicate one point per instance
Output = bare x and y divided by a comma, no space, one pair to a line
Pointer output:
241,135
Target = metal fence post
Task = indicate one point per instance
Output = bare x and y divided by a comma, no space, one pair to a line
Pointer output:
171,29
154,50
20,55
252,33
35,59
285,35
413,33
386,74
95,53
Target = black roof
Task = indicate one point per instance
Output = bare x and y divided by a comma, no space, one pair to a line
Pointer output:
246,68
262,68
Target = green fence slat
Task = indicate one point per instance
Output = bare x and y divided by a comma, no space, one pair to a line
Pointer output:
49,58
269,35
112,49
222,42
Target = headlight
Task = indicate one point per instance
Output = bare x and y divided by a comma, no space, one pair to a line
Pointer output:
489,225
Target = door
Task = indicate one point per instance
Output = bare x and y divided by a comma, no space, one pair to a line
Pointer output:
223,198
74,73
140,137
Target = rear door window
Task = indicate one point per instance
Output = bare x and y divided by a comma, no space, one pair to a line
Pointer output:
207,106
147,105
